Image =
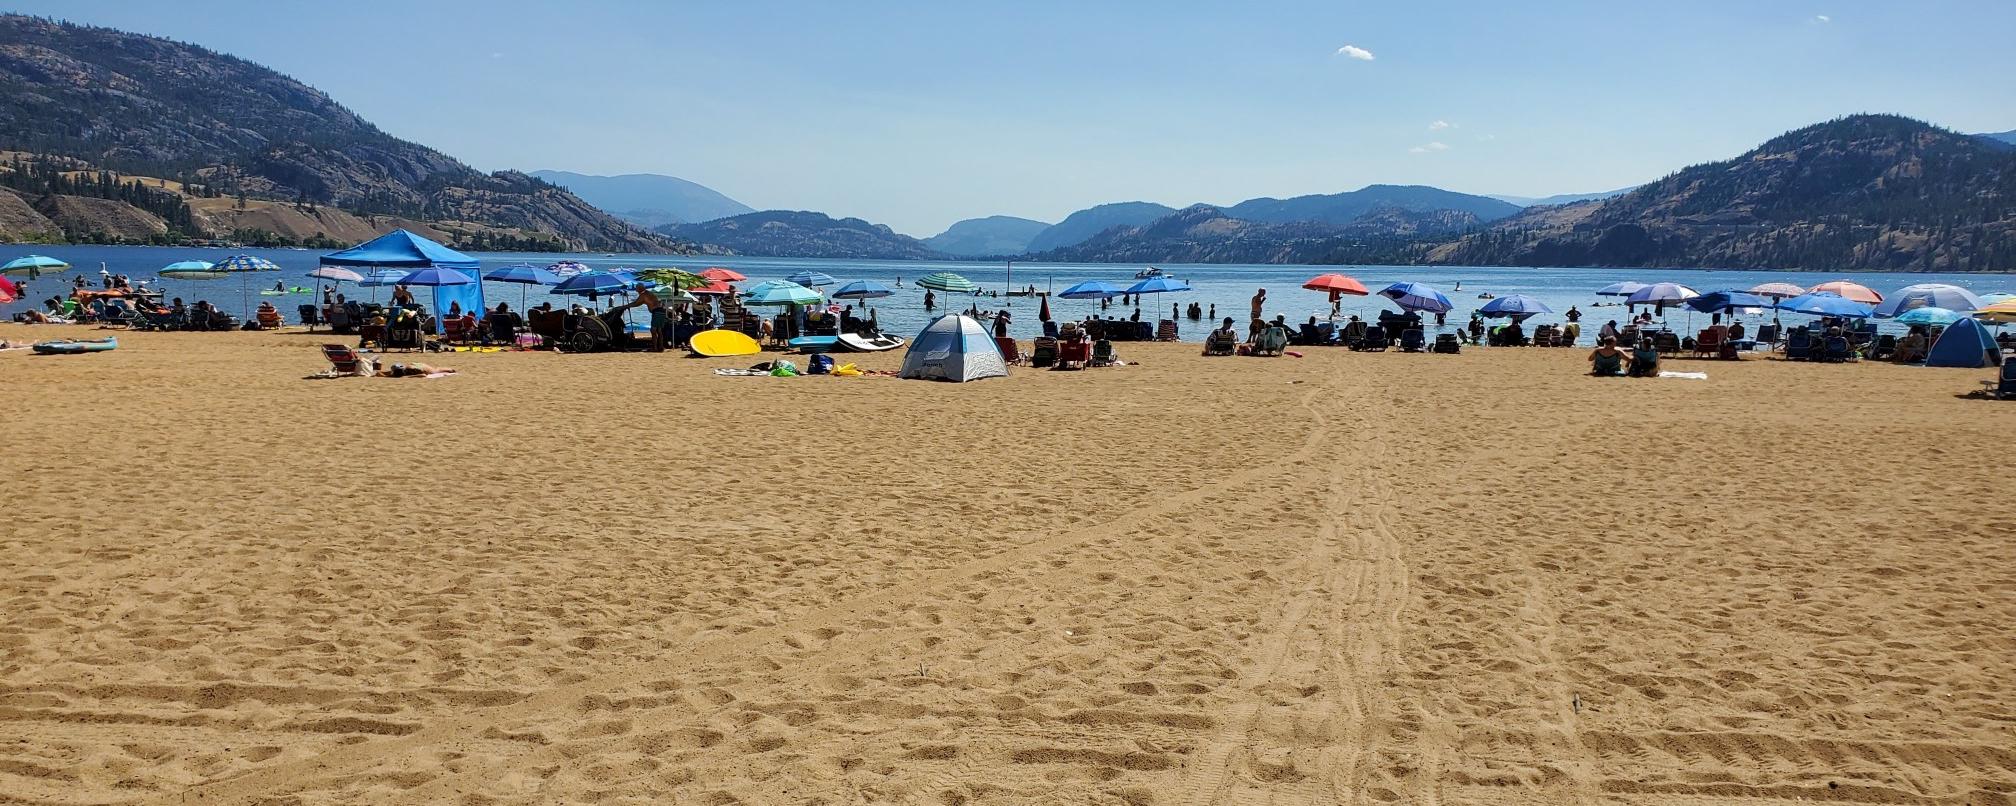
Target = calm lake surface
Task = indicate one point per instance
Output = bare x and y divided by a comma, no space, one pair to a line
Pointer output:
1228,287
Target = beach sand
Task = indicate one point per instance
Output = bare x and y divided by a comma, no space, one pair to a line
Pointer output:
1346,578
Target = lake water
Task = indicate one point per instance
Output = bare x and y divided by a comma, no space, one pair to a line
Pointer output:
1228,287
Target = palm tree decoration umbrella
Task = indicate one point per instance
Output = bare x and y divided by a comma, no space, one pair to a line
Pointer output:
675,284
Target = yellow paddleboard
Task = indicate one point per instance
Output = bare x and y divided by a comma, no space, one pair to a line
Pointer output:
719,342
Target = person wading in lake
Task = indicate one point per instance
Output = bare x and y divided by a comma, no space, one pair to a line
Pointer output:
1259,305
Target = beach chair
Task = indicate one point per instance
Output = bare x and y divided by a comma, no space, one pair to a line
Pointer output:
345,360
310,315
1044,352
1102,354
1666,341
1165,330
2004,385
452,330
1447,344
1798,345
1010,351
1883,348
552,325
1073,354
1354,333
269,319
1630,337
1709,343
1413,341
1375,340
1221,343
1768,334
1837,349
1272,341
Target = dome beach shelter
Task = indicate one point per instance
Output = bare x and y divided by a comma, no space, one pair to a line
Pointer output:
953,348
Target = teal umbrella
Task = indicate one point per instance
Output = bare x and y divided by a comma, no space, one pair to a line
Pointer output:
780,292
1928,316
33,266
190,270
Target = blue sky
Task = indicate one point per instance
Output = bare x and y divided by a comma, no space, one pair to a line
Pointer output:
919,114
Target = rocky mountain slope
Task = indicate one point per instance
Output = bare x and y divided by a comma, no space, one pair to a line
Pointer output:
1871,192
1206,234
1081,225
206,125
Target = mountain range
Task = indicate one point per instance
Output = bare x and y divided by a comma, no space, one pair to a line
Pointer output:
1564,198
987,237
648,200
186,142
784,233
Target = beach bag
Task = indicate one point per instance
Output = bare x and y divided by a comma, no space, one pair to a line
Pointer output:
819,365
783,369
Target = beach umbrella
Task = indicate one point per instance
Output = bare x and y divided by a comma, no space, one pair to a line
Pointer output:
1777,290
1996,298
1336,284
811,279
568,268
1826,304
1417,297
8,291
592,284
1929,295
1850,290
524,275
437,277
33,266
1622,289
1728,300
244,265
716,288
2003,312
1929,316
863,290
1043,312
1159,284
373,279
721,275
947,282
1661,294
779,292
335,273
1091,289
1517,306
190,270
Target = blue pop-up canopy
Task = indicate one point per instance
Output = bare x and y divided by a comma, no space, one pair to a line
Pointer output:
400,249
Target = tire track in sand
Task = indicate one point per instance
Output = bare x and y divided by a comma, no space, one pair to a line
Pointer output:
265,782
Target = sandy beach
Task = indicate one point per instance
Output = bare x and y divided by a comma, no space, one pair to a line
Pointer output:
1345,578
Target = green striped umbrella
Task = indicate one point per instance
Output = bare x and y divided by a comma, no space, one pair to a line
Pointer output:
948,282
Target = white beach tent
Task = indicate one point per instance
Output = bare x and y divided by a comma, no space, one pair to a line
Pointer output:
953,348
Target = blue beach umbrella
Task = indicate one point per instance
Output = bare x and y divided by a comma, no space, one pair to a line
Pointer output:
191,270
863,289
1517,306
811,279
1417,297
434,277
33,266
1661,294
780,292
244,264
1929,295
1928,316
1159,284
1822,303
1091,289
1728,300
592,284
523,274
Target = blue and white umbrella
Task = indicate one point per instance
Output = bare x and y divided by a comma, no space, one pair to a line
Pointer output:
568,268
1822,303
863,289
1417,297
1517,306
811,279
1929,295
1091,289
593,284
437,276
1622,289
373,279
1661,294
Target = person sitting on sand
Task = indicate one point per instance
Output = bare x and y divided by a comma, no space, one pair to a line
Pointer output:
1610,331
1223,335
1606,361
1644,362
1911,348
1736,330
504,324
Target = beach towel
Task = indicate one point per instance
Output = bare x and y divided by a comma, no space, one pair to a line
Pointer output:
1691,376
740,373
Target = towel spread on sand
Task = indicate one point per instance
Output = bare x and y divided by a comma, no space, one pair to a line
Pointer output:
1692,376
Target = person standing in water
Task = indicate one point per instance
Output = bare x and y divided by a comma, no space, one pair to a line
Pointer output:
1259,307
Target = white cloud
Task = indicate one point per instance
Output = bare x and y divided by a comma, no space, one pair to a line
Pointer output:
1355,52
1822,19
1429,148
1440,125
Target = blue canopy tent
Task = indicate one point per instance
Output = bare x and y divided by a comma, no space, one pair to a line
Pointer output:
1964,344
402,249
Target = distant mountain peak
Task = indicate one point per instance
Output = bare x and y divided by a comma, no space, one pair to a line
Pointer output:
648,200
996,235
803,233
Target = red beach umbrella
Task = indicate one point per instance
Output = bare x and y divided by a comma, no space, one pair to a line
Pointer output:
1337,284
8,293
1043,312
1855,291
718,274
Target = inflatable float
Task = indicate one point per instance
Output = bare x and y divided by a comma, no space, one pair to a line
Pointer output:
717,342
75,347
291,292
814,344
870,344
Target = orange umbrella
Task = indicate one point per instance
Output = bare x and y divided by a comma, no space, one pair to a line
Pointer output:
1855,291
1337,284
719,274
